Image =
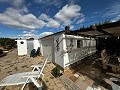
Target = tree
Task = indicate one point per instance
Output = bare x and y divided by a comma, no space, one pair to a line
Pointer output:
1,51
7,43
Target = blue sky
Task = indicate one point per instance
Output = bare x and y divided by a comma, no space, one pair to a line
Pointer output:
35,18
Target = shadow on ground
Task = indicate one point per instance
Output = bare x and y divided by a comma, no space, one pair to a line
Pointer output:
92,68
31,86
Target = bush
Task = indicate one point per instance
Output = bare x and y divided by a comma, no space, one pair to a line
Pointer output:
33,53
7,43
38,51
56,71
1,51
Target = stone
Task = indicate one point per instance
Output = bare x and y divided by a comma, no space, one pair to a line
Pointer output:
82,78
76,75
63,88
52,84
55,87
73,78
51,87
59,85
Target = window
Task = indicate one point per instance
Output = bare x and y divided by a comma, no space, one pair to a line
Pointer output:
79,43
22,42
71,43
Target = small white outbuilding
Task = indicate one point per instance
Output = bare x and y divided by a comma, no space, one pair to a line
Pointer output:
25,46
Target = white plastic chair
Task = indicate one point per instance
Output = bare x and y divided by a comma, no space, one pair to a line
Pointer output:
26,77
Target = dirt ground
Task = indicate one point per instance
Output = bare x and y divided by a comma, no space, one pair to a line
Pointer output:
12,63
89,71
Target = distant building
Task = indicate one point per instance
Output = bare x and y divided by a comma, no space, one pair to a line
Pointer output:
25,46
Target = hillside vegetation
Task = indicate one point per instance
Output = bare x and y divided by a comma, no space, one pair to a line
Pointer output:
7,43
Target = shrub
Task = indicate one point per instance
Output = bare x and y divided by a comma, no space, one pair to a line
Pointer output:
33,53
38,51
1,51
56,71
7,43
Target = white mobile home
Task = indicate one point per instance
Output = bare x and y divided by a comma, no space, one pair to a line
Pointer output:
65,49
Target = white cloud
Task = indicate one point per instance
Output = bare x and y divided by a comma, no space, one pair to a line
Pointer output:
113,11
44,17
15,3
68,12
71,27
31,34
50,21
45,34
24,32
74,1
66,16
116,18
20,20
81,20
56,3
27,34
53,23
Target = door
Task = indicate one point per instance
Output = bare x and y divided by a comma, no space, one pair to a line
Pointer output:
30,46
48,48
